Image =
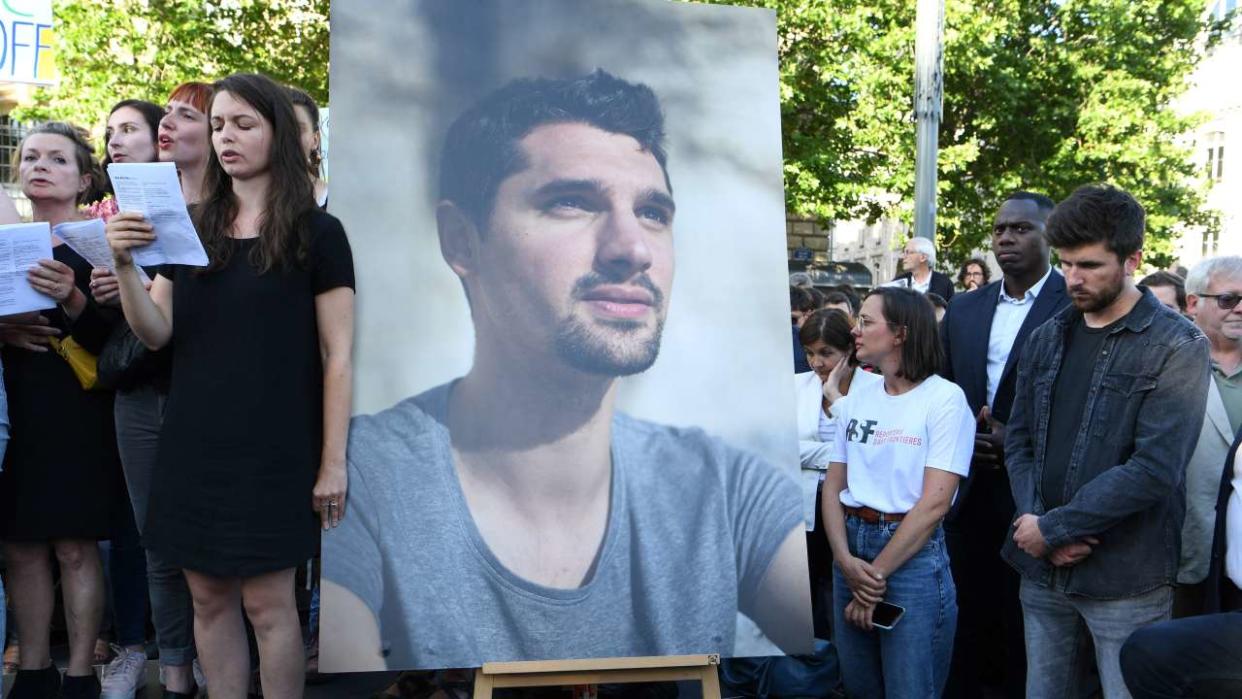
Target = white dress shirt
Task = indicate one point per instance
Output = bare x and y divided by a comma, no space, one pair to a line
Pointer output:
921,288
1006,322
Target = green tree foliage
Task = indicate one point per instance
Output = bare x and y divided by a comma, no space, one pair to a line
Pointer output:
110,50
1039,94
1042,95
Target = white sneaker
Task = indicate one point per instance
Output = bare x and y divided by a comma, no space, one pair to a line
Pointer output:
125,675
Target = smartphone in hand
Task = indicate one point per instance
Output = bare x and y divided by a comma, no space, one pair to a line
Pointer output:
885,616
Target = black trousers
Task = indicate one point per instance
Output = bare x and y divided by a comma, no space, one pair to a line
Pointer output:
1199,656
819,565
989,648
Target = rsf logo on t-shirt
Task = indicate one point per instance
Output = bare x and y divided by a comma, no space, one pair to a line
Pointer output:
856,433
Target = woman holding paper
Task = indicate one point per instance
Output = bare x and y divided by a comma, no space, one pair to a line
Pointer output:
140,378
180,134
62,478
252,455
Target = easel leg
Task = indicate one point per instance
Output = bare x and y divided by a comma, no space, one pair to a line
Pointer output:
483,685
711,682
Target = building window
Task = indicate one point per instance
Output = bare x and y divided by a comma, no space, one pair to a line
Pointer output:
1211,243
1216,156
11,134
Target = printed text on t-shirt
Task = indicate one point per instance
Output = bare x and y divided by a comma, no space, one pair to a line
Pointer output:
865,433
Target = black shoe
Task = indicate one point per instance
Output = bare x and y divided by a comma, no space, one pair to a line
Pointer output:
169,694
36,684
84,687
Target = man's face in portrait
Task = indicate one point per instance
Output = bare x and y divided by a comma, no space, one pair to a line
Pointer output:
576,259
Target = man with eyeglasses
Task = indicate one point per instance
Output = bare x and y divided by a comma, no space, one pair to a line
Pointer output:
918,259
1213,290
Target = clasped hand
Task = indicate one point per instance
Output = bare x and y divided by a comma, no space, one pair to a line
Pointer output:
867,583
1030,539
989,440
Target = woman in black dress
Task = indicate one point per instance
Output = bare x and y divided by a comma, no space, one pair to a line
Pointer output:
62,478
252,452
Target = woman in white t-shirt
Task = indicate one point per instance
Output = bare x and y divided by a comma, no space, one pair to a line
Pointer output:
901,447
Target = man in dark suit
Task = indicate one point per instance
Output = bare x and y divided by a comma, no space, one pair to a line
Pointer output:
917,259
983,334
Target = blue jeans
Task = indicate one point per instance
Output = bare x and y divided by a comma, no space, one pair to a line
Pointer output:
1057,627
912,660
1199,656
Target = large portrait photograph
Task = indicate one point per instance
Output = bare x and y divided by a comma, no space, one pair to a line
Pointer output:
574,431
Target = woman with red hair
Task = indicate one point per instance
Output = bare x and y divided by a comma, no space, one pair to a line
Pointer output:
185,136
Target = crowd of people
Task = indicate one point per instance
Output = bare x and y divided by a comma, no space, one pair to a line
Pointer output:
1034,493
1023,486
193,418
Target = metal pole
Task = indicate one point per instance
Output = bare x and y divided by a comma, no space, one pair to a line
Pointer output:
928,106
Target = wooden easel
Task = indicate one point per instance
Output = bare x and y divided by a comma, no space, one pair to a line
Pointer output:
554,673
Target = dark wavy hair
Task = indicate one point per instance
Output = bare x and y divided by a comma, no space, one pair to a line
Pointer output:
801,299
290,197
1098,213
481,147
961,273
83,155
830,326
151,113
921,352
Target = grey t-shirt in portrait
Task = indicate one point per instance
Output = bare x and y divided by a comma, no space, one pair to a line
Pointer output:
692,528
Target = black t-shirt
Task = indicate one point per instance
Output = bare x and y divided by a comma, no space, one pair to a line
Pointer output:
1069,398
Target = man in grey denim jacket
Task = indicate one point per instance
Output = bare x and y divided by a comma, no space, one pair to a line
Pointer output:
1110,399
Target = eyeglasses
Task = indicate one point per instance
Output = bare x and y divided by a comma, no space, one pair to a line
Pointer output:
864,321
1225,302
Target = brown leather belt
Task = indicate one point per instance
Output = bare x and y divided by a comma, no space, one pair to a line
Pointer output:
871,516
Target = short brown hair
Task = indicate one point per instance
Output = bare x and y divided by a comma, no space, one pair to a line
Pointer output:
921,352
1163,278
1098,213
